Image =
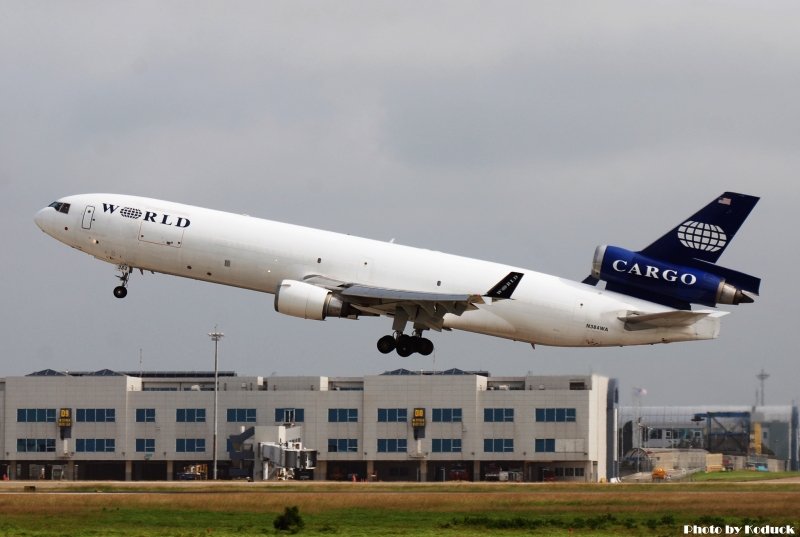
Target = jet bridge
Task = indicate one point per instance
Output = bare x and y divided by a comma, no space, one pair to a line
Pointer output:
271,452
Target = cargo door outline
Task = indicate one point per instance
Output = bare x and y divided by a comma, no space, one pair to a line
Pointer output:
157,233
88,216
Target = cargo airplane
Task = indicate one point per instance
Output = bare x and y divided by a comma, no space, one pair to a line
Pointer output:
647,297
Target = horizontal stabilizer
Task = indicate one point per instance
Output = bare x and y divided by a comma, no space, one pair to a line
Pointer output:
643,321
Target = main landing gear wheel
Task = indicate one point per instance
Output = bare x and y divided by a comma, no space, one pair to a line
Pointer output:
423,345
386,344
120,292
405,345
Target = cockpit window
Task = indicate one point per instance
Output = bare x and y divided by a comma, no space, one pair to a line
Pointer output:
60,207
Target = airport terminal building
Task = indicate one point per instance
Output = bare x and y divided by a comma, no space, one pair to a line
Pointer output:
400,425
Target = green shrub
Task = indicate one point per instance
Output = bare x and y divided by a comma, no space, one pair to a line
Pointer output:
290,520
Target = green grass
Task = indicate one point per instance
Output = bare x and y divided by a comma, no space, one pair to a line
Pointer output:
124,522
742,475
397,509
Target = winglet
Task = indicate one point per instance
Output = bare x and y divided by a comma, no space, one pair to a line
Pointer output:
505,287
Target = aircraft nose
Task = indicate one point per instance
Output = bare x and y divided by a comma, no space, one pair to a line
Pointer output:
39,219
42,219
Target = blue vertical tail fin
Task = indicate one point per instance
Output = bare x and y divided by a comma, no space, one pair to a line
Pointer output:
704,235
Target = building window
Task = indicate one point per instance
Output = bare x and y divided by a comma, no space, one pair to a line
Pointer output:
392,415
392,445
96,415
446,445
498,445
36,445
190,445
342,445
555,415
290,415
241,415
498,414
146,415
145,445
190,415
336,415
545,445
569,472
95,445
446,415
30,415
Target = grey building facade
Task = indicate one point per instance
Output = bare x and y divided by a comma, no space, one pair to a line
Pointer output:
402,425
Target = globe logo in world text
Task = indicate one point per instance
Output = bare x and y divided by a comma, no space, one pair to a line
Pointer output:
129,212
700,236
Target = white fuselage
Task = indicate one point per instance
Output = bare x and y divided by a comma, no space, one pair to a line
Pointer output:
258,254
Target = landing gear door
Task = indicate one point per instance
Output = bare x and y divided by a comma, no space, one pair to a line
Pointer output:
88,216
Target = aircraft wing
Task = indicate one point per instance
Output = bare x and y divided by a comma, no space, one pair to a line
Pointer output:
395,295
636,320
426,309
423,308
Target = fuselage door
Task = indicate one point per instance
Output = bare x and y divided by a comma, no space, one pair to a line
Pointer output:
88,215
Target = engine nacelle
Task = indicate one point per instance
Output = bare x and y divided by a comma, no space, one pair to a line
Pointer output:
687,284
307,301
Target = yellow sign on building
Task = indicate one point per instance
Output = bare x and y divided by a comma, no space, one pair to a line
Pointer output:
65,417
418,420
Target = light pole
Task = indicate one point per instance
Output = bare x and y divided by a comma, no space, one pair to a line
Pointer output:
762,377
215,337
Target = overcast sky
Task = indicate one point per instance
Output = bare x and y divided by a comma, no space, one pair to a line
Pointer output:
520,132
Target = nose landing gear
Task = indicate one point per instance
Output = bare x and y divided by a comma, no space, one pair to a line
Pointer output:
121,291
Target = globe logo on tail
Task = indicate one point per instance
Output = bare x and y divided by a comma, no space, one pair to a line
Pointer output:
700,236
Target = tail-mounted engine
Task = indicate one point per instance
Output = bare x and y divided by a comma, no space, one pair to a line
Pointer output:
307,301
641,276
